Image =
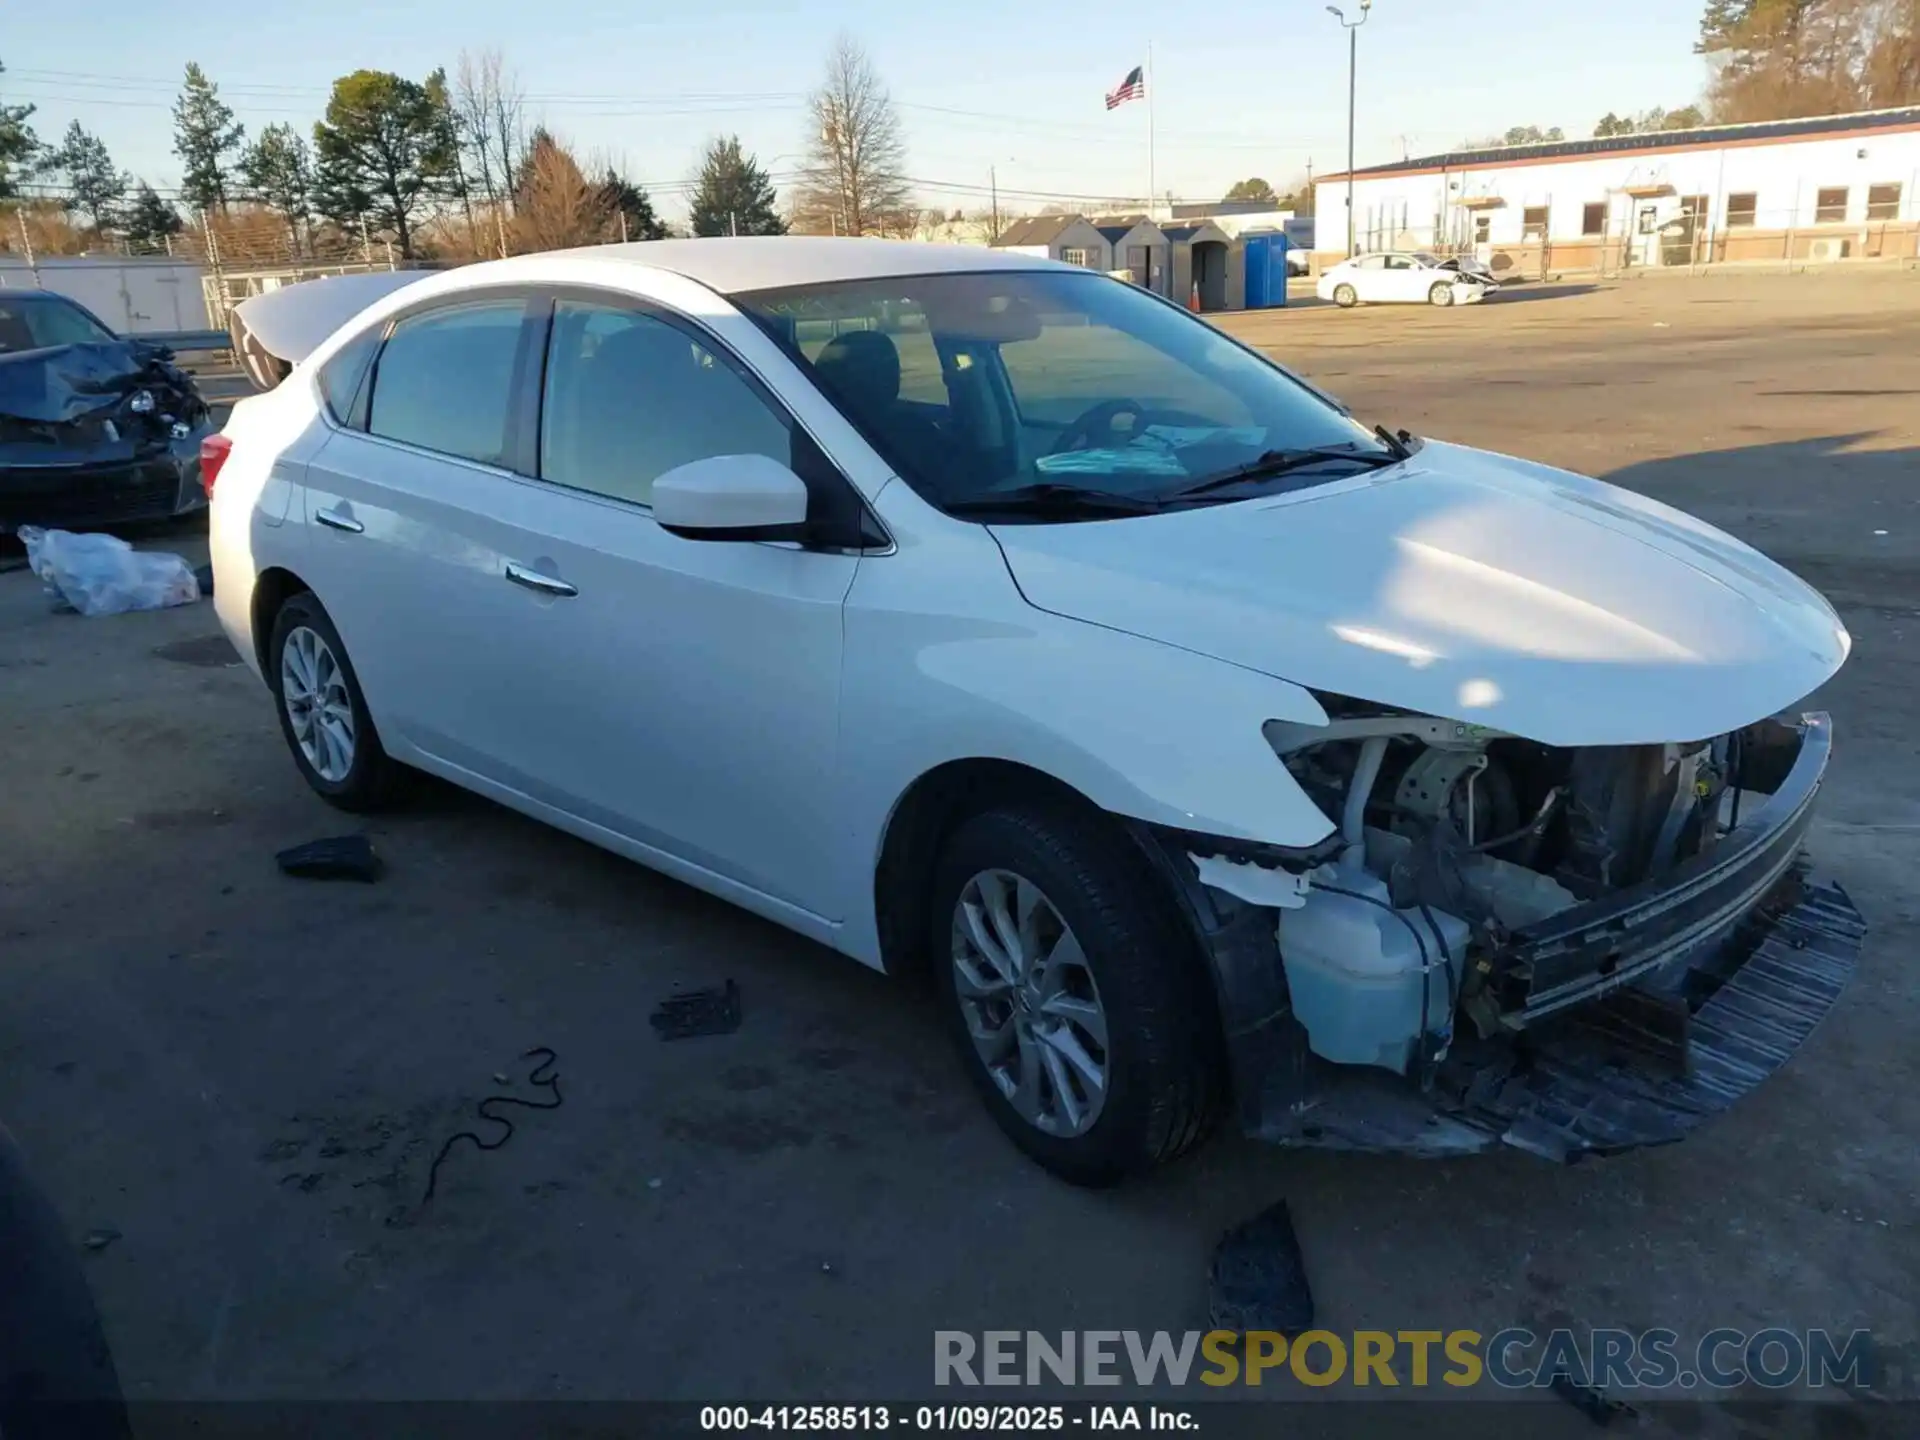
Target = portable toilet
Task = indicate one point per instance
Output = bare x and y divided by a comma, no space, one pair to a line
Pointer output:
1266,260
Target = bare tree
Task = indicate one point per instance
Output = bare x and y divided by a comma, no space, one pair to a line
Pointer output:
557,206
855,182
491,109
955,227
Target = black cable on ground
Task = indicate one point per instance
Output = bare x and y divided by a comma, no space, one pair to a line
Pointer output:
541,1074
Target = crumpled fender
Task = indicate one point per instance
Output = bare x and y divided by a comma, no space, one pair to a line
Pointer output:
1143,729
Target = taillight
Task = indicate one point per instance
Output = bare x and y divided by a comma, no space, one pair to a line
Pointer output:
214,450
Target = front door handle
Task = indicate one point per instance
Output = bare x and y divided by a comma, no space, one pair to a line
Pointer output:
535,580
336,521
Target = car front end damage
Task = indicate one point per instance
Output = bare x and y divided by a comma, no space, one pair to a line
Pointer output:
98,434
1570,951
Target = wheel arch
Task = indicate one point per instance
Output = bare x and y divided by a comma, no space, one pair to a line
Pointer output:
927,811
272,588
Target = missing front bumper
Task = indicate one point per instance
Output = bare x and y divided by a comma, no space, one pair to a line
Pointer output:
1594,948
1629,1022
1574,1089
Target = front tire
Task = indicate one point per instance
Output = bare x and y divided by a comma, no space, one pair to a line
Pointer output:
323,714
1441,296
1346,297
1071,989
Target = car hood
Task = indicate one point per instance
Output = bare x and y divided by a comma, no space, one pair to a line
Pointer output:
1465,585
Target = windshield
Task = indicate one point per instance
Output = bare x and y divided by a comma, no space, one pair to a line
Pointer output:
1432,262
994,383
33,324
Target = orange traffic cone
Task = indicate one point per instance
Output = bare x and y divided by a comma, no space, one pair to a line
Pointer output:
1193,300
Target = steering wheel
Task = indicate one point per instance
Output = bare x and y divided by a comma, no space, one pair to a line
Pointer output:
1095,424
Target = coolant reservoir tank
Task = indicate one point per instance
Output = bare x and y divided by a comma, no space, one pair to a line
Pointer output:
1362,984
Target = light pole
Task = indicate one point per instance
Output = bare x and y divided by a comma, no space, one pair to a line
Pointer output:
1353,68
993,184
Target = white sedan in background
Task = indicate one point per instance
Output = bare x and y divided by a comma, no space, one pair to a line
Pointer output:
977,616
1409,277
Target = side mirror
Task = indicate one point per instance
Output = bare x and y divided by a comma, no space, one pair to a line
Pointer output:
732,497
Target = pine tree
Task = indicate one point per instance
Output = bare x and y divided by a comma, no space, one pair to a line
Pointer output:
278,172
205,137
149,220
630,209
734,196
380,153
19,146
95,185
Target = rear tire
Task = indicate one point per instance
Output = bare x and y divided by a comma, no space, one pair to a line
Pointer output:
1441,296
1346,297
1108,952
323,715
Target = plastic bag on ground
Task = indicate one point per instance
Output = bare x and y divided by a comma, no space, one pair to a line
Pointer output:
104,575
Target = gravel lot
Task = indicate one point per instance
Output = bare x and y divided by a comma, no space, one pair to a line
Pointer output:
247,1076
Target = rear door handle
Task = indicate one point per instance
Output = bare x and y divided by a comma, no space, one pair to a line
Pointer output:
336,521
536,580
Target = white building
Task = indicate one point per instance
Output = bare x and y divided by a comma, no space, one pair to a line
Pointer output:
1829,188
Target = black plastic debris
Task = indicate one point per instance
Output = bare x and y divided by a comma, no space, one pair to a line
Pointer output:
543,1075
203,577
1259,1280
698,1012
1590,1402
345,857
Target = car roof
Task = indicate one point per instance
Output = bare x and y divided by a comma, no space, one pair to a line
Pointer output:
734,265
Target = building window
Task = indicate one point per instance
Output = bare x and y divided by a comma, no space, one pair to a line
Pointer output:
1482,228
1741,209
1074,257
1830,206
1533,223
1648,216
1883,202
1593,219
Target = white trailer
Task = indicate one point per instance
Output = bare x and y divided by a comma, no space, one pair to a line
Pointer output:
133,294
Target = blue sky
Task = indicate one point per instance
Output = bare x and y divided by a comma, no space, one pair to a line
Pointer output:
1240,87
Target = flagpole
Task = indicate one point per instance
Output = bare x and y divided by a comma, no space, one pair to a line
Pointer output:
1152,194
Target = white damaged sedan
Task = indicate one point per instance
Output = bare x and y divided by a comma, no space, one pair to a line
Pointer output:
983,617
1402,277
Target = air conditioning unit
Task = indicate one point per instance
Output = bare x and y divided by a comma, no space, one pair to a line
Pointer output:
1828,249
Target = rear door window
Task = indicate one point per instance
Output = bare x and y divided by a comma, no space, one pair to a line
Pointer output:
445,380
341,377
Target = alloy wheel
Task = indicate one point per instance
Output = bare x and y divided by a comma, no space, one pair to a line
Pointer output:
314,689
1030,1003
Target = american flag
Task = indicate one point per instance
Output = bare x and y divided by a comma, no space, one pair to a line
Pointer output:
1134,87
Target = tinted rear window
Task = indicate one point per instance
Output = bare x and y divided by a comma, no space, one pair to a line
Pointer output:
340,377
444,380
